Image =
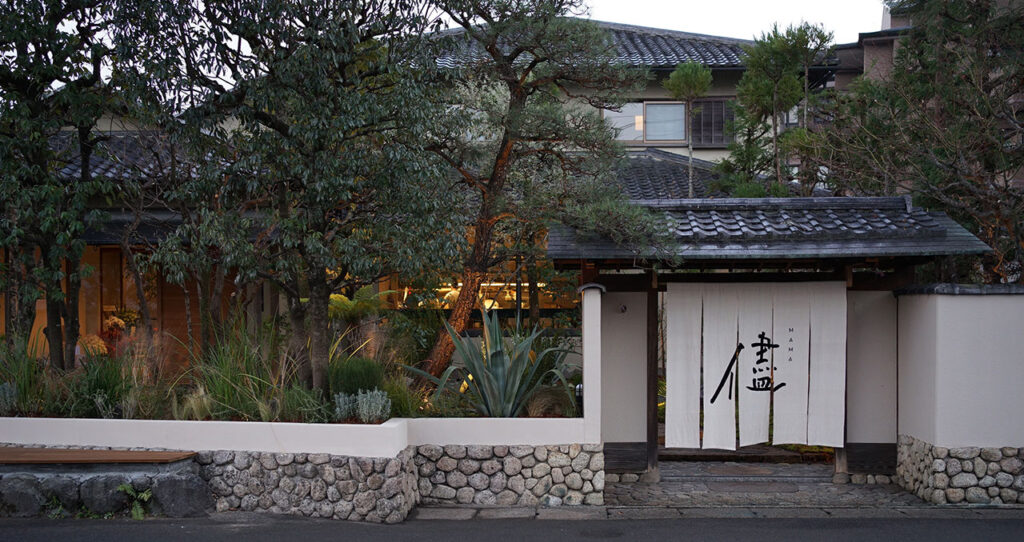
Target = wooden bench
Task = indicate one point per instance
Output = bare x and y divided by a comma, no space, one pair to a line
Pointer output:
41,456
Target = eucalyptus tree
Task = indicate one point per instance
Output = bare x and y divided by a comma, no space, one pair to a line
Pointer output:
524,134
304,120
55,82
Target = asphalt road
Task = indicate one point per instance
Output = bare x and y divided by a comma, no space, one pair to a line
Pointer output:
256,529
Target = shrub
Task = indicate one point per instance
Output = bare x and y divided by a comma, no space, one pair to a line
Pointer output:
355,374
405,402
236,379
372,406
344,406
8,399
500,376
749,190
98,388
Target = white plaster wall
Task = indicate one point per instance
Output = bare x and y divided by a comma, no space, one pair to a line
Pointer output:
384,440
497,431
980,370
624,367
870,367
916,366
962,369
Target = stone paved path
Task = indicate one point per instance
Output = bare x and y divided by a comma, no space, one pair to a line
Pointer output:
736,490
710,485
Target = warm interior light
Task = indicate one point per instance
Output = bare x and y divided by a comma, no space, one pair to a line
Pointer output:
638,122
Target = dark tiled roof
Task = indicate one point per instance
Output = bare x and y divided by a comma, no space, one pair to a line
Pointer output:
653,174
637,46
119,155
786,229
658,48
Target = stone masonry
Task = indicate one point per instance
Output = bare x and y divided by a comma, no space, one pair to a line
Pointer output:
511,475
379,490
960,475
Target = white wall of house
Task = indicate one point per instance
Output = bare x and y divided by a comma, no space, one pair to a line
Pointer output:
961,369
624,367
871,367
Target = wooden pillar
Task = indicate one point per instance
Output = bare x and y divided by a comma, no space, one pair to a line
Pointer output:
652,370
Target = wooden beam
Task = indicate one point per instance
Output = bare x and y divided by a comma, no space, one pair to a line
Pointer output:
652,370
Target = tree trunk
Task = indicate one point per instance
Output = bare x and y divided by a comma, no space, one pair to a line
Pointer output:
317,322
533,291
775,138
297,341
144,329
19,314
70,311
443,349
54,330
217,301
689,148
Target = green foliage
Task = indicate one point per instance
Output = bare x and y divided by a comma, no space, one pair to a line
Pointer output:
236,380
8,399
373,406
945,126
368,406
322,130
355,374
98,388
777,79
344,406
405,402
411,332
749,190
499,376
25,373
57,73
364,303
689,81
137,500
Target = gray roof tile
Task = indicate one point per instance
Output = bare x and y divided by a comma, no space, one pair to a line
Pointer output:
637,46
784,229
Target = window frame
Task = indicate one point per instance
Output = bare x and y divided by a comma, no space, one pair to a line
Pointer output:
657,142
725,100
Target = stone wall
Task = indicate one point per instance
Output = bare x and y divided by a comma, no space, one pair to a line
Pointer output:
313,485
381,490
93,490
511,475
960,475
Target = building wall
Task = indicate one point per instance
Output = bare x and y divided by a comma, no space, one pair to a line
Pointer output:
624,367
916,352
871,367
961,369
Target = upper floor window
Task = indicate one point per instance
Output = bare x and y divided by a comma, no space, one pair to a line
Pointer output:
649,122
710,118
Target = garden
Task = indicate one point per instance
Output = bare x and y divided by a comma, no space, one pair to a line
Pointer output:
241,376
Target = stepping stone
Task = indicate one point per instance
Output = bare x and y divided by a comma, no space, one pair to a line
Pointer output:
442,512
506,513
734,469
752,487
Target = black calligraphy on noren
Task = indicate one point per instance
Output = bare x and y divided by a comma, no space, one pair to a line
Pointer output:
763,382
760,381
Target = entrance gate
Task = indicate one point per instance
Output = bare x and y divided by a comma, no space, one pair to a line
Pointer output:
771,356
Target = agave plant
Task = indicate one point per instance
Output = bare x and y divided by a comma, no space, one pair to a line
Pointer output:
501,375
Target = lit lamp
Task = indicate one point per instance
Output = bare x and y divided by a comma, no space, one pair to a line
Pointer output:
638,122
